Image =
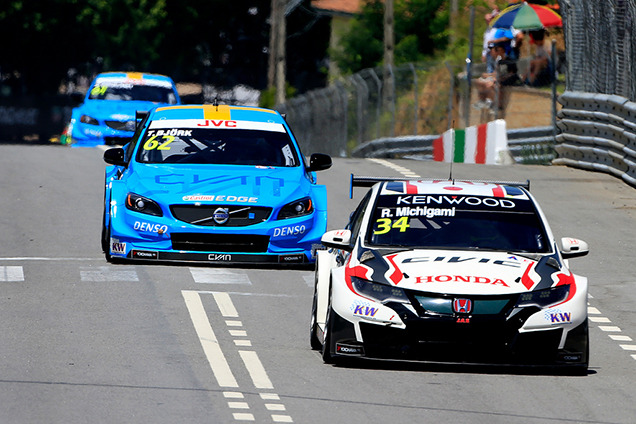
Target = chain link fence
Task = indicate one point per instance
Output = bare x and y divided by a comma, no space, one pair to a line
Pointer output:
601,43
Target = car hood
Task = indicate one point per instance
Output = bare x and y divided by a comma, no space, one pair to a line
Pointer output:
461,272
116,110
219,184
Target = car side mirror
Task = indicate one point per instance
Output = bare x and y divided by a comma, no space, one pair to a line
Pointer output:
337,239
319,162
573,248
115,156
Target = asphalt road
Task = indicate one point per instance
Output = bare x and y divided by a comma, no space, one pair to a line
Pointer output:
83,341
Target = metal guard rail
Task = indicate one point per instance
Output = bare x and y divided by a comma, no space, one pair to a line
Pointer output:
526,145
597,133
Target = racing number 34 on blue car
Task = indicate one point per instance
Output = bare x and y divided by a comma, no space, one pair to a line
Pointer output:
213,183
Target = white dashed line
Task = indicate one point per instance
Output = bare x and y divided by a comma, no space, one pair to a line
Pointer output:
225,305
404,171
256,370
218,276
620,338
221,370
208,340
609,328
11,273
599,319
107,273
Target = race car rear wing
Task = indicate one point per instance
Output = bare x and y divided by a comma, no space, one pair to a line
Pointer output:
359,181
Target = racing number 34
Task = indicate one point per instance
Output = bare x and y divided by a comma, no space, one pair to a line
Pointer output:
153,143
384,225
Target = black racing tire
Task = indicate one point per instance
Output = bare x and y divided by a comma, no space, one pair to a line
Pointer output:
106,243
327,355
314,342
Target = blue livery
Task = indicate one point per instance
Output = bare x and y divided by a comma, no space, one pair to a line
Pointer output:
107,115
215,184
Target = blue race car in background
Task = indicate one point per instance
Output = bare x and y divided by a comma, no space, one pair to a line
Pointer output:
215,184
107,115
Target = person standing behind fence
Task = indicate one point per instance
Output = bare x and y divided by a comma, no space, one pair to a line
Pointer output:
489,36
540,69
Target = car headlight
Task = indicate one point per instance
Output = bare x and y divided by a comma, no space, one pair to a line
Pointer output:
379,292
298,208
543,298
88,120
138,203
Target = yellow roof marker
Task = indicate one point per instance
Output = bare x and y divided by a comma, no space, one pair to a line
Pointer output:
220,112
134,75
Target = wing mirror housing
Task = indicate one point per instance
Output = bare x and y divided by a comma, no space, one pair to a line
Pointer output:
319,162
573,248
337,239
115,156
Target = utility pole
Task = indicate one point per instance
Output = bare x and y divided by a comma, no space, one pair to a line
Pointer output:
277,62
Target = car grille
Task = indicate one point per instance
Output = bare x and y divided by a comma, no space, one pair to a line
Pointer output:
204,215
121,125
198,242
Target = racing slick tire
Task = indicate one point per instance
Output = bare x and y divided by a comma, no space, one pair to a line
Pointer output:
327,356
314,342
106,243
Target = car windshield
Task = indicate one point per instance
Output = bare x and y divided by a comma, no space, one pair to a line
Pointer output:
217,146
457,222
126,91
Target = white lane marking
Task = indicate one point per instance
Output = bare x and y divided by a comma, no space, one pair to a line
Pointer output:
600,319
270,396
310,280
593,311
628,347
238,405
610,328
404,171
219,276
225,305
233,395
11,273
620,338
216,359
256,370
243,417
252,363
107,273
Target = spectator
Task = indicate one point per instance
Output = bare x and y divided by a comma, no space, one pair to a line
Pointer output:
489,84
540,69
489,36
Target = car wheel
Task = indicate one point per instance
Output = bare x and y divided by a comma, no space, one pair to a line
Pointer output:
313,326
106,243
327,356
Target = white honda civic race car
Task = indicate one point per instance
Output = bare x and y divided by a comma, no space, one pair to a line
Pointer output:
450,271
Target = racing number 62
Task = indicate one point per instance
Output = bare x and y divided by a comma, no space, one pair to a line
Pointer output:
152,143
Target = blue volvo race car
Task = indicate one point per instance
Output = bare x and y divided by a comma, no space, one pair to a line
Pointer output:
107,115
215,184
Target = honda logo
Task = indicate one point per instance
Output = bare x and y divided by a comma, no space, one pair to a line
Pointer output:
462,306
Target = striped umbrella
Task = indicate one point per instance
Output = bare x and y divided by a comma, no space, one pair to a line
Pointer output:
527,16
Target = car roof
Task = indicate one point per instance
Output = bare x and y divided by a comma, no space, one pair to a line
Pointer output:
136,77
452,187
220,112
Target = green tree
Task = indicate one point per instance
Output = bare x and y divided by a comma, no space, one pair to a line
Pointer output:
420,31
